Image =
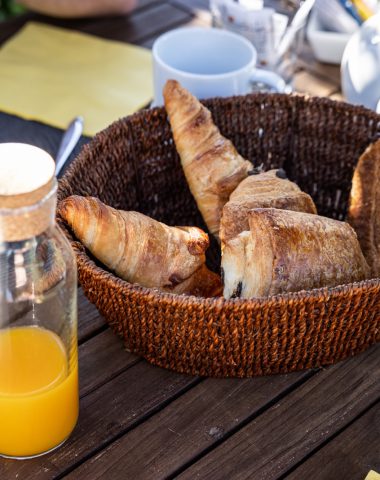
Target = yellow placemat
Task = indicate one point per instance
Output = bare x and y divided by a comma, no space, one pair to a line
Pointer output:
52,75
372,475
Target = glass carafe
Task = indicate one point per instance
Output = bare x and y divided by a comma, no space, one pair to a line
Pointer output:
38,322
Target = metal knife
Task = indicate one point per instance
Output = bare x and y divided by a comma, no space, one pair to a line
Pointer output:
69,140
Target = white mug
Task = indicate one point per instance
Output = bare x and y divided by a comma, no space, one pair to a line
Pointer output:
208,62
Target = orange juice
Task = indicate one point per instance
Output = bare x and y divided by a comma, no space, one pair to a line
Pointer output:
38,391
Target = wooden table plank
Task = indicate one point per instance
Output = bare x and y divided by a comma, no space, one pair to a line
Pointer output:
323,71
304,82
101,359
290,430
90,321
350,455
201,18
204,416
141,25
137,27
138,421
105,414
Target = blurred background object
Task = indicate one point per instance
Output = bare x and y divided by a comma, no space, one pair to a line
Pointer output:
9,8
360,69
333,16
277,29
272,27
333,22
327,45
67,8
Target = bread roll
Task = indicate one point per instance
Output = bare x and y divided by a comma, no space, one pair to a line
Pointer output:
142,250
286,251
364,205
212,166
261,190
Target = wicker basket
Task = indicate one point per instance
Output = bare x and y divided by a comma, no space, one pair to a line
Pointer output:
133,165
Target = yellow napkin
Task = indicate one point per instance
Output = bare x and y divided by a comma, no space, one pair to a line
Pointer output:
372,475
52,75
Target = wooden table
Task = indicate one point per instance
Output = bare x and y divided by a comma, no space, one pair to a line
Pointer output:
142,422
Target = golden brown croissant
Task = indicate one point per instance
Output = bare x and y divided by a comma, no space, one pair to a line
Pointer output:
287,251
262,190
212,166
142,250
364,205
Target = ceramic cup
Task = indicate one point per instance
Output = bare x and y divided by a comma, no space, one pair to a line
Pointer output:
209,62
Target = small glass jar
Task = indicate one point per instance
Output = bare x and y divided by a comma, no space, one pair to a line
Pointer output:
265,28
38,310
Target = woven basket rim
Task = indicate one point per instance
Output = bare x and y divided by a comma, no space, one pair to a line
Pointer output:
218,337
219,302
341,105
301,295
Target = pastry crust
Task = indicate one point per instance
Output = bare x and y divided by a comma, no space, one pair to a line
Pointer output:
263,190
212,166
287,251
364,205
142,250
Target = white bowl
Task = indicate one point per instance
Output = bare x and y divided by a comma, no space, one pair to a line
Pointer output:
327,47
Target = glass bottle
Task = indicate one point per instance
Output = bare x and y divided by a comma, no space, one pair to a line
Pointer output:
38,309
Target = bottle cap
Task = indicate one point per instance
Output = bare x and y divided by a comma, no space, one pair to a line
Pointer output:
27,191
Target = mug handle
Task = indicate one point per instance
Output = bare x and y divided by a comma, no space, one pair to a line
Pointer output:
378,106
271,79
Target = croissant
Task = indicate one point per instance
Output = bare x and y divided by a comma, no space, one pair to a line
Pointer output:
212,166
364,205
261,190
142,250
287,251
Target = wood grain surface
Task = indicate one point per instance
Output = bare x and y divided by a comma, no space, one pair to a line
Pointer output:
142,422
350,455
292,428
203,417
